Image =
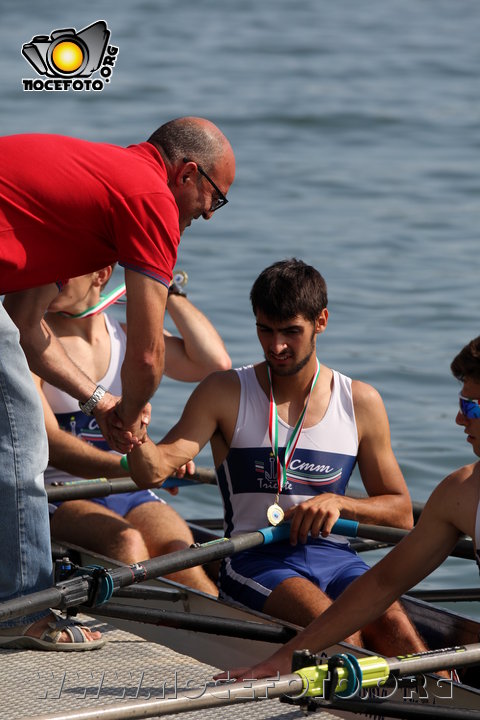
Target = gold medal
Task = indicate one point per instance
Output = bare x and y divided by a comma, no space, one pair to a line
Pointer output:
275,514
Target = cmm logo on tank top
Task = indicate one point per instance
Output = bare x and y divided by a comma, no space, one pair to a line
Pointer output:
304,473
68,59
308,473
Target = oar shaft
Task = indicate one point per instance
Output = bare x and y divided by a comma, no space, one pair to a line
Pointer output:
65,595
245,629
446,595
85,489
74,591
190,557
102,487
435,660
194,699
463,548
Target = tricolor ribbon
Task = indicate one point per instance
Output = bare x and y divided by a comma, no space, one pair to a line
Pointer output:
294,437
104,302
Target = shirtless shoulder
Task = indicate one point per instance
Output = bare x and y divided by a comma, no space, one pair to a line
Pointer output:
456,499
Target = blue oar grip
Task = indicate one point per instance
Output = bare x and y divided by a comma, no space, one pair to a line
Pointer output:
172,482
282,532
275,534
345,527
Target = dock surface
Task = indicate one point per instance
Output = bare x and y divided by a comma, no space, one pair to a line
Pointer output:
35,683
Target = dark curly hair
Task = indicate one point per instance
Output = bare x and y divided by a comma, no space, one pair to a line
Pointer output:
289,288
467,363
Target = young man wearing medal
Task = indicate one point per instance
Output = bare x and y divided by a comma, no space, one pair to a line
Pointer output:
452,511
285,435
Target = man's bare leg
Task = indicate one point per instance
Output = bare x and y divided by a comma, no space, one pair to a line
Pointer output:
164,531
393,633
299,601
97,528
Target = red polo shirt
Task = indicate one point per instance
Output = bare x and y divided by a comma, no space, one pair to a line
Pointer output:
69,207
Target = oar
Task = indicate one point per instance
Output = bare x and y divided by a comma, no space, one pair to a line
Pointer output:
447,595
245,629
390,535
351,674
95,587
378,533
102,487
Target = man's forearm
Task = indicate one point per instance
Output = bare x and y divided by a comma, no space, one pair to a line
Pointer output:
47,358
204,350
146,466
74,456
394,510
45,354
141,375
144,361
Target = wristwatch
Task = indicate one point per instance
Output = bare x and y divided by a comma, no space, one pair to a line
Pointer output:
89,406
179,280
176,289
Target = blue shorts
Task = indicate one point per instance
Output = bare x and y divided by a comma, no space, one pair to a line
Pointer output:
124,502
251,576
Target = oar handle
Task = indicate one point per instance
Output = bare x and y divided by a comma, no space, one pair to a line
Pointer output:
282,532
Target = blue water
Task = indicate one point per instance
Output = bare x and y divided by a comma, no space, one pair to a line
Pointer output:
356,132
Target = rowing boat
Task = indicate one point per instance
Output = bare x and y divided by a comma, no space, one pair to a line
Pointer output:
225,635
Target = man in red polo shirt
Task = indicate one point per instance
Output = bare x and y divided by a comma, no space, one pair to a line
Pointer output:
68,207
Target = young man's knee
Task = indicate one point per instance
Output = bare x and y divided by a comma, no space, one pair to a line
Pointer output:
130,542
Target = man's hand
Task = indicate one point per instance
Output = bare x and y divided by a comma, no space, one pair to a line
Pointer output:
187,469
121,433
278,664
315,516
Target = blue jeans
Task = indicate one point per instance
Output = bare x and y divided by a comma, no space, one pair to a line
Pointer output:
26,564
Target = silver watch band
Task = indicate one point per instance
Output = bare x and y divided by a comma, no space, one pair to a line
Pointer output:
89,406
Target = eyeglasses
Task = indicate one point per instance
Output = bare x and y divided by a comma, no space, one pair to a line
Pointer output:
470,408
220,200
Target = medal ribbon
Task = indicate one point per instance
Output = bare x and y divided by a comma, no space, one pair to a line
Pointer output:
294,437
104,302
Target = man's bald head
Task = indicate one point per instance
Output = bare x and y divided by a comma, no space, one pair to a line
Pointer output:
192,137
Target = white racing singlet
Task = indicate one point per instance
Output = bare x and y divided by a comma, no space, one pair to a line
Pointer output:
70,417
323,461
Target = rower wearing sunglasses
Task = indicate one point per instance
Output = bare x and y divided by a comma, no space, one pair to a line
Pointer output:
452,510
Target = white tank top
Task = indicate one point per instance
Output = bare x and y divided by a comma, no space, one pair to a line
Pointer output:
70,417
323,461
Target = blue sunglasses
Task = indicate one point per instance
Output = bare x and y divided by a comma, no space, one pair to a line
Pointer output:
470,408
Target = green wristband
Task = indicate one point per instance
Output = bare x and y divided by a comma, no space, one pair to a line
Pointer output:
124,463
